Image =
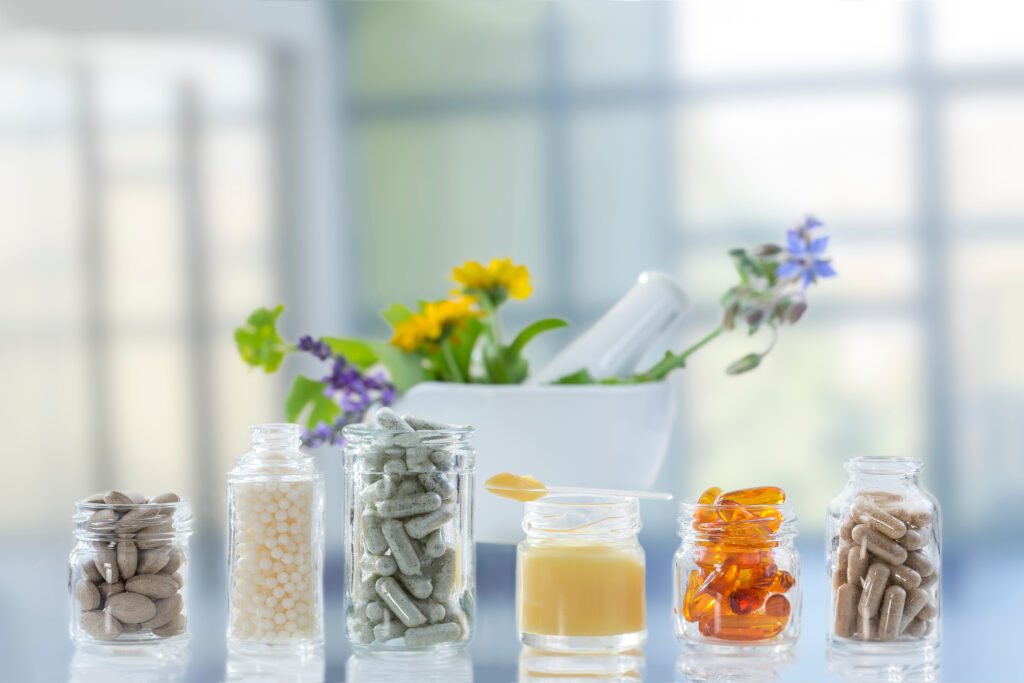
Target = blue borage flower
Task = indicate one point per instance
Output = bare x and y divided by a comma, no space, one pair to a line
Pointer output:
805,262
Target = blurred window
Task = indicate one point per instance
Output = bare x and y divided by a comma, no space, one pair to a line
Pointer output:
137,200
593,142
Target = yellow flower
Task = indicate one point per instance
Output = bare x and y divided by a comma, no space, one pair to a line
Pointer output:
498,281
434,323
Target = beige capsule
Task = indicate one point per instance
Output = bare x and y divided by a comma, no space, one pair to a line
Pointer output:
916,600
928,612
857,564
131,608
178,579
873,589
867,627
175,558
88,595
920,518
136,497
130,628
88,567
915,539
930,580
868,512
100,625
878,544
152,585
95,498
904,577
891,616
127,559
846,610
846,528
918,628
919,561
102,521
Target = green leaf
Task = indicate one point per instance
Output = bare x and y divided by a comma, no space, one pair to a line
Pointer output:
531,331
395,313
494,364
462,342
356,351
308,394
578,377
258,342
406,369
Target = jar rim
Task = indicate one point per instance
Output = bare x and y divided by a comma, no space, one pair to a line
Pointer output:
179,513
365,429
881,464
689,527
570,513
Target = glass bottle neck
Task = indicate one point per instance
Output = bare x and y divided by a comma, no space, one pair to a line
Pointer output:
581,519
870,472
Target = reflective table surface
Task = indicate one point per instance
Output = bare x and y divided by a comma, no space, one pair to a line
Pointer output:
982,604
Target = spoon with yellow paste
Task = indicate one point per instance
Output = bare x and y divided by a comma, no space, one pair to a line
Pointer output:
526,488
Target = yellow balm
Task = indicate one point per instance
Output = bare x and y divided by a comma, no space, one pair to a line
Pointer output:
517,487
569,589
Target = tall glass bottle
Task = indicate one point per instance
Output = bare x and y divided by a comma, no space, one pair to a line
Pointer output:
275,544
884,558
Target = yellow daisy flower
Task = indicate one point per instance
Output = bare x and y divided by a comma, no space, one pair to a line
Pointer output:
498,281
434,323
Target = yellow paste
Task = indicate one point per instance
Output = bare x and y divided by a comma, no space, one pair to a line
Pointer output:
567,589
517,487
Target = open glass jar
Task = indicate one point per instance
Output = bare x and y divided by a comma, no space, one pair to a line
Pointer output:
737,576
128,572
275,545
580,574
884,559
409,563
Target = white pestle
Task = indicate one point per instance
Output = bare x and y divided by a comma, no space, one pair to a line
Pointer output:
653,308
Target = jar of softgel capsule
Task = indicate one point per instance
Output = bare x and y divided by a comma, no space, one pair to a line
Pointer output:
409,577
580,574
884,556
275,545
737,572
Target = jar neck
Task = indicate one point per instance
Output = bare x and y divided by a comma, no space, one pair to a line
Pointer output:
159,522
748,524
872,472
581,519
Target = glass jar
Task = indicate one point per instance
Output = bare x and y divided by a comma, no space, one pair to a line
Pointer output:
128,571
884,558
275,545
580,574
409,563
736,579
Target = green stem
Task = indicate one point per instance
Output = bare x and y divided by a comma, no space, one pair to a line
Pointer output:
672,361
495,327
453,367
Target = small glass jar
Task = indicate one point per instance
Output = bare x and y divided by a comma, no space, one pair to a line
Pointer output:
884,560
275,545
409,564
128,572
736,577
580,574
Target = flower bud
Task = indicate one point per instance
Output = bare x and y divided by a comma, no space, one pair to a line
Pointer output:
755,317
794,312
745,364
729,320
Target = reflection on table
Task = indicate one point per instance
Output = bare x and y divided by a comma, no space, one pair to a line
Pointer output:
893,667
409,667
129,664
300,667
745,665
541,665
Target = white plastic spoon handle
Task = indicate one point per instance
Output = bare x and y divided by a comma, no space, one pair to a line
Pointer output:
651,495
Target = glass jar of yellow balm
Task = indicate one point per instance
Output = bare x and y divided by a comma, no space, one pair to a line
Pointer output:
580,574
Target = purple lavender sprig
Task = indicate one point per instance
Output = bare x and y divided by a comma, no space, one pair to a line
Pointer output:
349,388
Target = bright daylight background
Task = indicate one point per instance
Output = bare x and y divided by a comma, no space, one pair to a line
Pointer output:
167,167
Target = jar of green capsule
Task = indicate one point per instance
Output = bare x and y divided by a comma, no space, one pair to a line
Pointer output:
409,582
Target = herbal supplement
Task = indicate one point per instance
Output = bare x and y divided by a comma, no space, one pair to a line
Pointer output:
580,574
890,528
275,500
736,569
409,578
127,571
